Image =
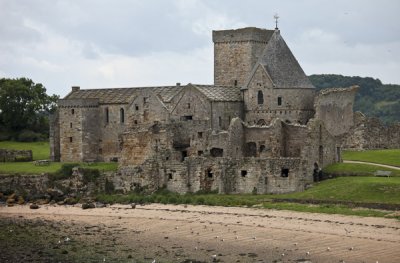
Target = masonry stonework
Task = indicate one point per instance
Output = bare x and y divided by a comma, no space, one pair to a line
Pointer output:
261,128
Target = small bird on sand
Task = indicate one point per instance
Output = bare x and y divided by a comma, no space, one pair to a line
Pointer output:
328,249
308,253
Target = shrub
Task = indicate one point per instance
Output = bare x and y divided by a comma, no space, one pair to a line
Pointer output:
109,187
29,136
65,172
90,175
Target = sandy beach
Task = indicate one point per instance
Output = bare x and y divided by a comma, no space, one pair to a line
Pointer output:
178,233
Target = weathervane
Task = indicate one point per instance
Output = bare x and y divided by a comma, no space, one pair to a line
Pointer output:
276,17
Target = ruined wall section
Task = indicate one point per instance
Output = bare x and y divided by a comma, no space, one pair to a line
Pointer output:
334,107
236,52
223,112
79,133
371,133
293,140
263,141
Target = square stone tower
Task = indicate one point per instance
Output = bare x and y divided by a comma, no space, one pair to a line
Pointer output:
236,52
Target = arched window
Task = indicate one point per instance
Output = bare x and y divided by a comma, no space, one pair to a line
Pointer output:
260,97
121,115
107,115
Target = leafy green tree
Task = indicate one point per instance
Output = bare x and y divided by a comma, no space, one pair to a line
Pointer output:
24,106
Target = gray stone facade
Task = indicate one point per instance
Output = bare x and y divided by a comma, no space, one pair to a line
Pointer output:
261,128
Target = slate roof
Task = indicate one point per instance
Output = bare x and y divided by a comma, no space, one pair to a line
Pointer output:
282,66
123,95
220,93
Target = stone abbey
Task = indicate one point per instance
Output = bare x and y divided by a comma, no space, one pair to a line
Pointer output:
260,128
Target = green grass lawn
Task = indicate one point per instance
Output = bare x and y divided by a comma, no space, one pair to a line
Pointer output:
357,169
40,150
355,189
390,157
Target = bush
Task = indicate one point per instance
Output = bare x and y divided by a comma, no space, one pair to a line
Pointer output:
29,136
109,187
90,175
65,172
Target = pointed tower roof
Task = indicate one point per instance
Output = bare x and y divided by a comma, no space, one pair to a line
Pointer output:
282,66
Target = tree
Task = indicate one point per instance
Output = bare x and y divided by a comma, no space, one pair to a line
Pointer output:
24,105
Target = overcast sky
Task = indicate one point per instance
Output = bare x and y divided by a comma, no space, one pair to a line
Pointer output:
127,43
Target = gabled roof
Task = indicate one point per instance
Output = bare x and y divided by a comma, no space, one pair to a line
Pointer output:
123,95
220,93
281,65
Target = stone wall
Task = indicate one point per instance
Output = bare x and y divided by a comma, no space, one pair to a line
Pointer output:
54,137
371,133
264,102
9,155
335,108
79,132
236,52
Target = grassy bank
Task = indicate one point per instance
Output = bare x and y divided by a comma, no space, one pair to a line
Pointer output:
389,157
349,189
355,169
40,150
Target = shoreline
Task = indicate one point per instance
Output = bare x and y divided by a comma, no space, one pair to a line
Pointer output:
175,233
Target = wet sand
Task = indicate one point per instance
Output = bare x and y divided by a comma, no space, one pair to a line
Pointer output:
177,233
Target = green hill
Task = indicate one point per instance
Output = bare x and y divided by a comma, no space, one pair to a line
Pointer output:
373,99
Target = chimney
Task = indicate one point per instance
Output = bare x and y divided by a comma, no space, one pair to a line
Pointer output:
75,88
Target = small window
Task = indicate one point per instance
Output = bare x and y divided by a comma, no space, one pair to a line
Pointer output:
122,115
219,121
200,153
135,122
279,101
188,105
107,115
260,97
262,148
184,155
235,83
136,107
167,158
70,139
243,173
169,176
70,124
186,118
285,172
145,100
209,173
72,111
200,135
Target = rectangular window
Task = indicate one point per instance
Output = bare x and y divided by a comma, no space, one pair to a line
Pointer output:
219,121
70,124
188,105
70,139
285,172
186,118
279,101
200,153
200,135
136,107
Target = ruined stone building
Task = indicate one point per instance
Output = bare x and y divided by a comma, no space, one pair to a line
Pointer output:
260,128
